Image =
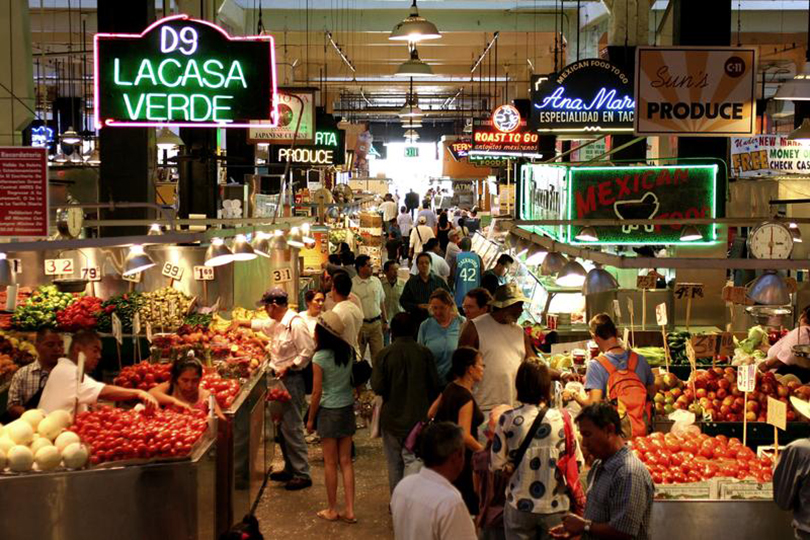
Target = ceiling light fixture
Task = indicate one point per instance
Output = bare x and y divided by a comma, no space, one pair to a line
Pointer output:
414,67
795,232
167,139
218,253
137,261
801,133
414,28
278,241
587,234
599,280
154,230
70,137
553,263
242,250
769,289
295,239
797,88
94,158
572,275
690,233
261,244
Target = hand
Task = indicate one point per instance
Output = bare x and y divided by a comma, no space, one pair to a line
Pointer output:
763,366
310,426
182,404
385,326
559,532
235,324
567,396
569,376
281,372
574,524
148,399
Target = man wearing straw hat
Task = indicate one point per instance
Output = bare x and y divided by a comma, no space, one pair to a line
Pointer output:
791,479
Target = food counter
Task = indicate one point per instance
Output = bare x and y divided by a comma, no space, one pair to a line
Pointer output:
742,520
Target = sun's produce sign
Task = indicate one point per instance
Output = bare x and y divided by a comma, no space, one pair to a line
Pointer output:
184,72
699,91
632,193
293,104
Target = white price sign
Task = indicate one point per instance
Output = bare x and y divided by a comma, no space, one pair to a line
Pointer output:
746,378
172,271
136,323
203,273
661,314
132,278
149,331
91,273
282,275
117,329
55,267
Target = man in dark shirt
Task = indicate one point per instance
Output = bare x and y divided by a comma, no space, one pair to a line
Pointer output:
791,479
405,376
417,291
496,276
412,201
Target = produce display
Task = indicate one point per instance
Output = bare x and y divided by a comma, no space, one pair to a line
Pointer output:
691,456
14,353
117,434
124,306
40,310
164,309
83,314
752,350
716,393
536,335
41,442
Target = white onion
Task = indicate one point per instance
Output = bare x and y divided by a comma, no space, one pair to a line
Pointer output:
64,439
20,459
33,417
75,456
47,458
20,432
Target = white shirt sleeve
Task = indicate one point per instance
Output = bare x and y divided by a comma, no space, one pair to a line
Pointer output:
263,325
304,343
89,390
455,522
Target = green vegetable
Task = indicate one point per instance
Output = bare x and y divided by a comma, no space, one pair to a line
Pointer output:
40,310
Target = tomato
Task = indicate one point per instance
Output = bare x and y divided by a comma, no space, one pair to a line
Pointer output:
707,452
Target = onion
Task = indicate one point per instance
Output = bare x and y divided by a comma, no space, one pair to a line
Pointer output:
33,417
64,439
20,432
39,443
6,444
74,456
20,459
47,458
49,428
62,417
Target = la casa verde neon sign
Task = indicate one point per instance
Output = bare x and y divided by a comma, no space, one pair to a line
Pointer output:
187,73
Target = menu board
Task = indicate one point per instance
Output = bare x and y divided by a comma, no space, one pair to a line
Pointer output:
23,192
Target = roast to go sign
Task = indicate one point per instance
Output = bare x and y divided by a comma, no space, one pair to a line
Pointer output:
695,90
184,72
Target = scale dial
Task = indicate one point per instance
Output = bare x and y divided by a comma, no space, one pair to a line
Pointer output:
70,221
770,241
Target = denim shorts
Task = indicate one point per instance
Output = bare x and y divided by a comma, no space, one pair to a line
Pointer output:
336,423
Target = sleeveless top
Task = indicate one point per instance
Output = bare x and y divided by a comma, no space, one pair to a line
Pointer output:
468,274
502,347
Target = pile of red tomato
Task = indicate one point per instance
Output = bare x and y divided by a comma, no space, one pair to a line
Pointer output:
692,456
82,314
118,434
224,390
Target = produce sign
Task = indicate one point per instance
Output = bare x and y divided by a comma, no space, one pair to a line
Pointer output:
766,155
329,149
698,91
589,95
671,192
543,196
23,192
184,72
504,134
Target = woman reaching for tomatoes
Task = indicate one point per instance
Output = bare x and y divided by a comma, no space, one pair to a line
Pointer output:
183,389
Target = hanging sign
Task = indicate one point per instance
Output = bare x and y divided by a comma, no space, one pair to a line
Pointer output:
23,191
41,136
765,155
293,103
590,95
329,149
670,192
184,72
504,134
698,91
460,149
543,195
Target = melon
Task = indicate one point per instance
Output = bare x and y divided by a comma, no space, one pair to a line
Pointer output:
74,456
49,428
33,417
47,458
39,443
20,458
2,460
6,444
64,439
20,432
62,417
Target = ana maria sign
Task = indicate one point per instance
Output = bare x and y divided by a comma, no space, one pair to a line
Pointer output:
184,72
672,192
587,96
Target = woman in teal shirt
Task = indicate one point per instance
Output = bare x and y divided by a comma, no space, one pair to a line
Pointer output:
333,405
440,332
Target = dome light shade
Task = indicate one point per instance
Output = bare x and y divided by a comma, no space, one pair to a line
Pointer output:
795,233
278,241
572,275
137,261
6,272
797,88
94,158
769,289
306,232
410,110
295,238
242,250
412,135
414,28
414,67
261,244
553,263
167,139
801,133
537,257
599,280
690,234
587,234
70,137
154,230
218,253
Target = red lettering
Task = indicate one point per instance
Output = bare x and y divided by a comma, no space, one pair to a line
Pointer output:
663,178
623,189
606,197
587,204
635,183
644,179
681,176
676,215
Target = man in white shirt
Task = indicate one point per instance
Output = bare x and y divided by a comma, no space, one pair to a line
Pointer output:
60,390
419,235
437,264
291,350
372,296
405,222
350,315
389,210
426,506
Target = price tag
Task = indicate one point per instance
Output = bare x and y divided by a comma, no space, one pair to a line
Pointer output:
777,413
149,331
647,282
203,273
282,275
626,337
661,314
91,273
630,307
725,345
707,416
704,345
55,267
747,378
172,271
791,284
136,323
117,330
132,278
684,291
617,309
690,354
172,310
735,295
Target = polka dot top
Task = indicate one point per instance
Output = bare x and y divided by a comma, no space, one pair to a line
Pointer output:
537,485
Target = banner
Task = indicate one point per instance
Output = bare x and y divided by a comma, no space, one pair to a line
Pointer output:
23,192
767,155
698,91
292,104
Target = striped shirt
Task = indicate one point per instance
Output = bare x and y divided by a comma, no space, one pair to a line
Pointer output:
26,383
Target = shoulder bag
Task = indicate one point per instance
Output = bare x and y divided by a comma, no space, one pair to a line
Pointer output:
512,464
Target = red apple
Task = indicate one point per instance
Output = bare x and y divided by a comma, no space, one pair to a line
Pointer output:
722,393
782,391
700,392
725,384
712,395
753,406
751,416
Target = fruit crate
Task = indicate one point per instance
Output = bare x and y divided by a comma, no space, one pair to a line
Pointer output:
759,433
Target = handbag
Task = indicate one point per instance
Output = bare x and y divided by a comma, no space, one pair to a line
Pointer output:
411,443
569,471
513,463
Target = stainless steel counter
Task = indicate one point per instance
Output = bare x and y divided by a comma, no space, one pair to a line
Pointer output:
741,520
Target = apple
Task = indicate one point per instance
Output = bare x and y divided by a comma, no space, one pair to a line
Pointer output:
716,403
718,372
676,392
700,392
724,384
782,391
736,391
751,416
688,394
728,400
722,393
711,395
725,409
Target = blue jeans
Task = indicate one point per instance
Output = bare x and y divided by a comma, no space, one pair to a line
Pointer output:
293,445
399,461
528,526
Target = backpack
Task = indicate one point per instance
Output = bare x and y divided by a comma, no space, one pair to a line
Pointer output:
629,395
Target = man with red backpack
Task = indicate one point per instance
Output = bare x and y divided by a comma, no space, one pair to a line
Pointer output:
619,376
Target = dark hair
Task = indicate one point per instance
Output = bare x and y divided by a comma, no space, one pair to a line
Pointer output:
533,383
463,359
431,244
426,204
602,326
343,248
443,220
309,296
361,261
505,259
347,258
805,312
342,283
388,264
180,365
402,325
424,254
327,341
439,442
44,332
403,209
334,258
84,337
465,244
602,414
481,296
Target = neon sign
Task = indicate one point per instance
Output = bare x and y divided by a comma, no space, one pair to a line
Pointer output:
187,73
328,150
506,118
460,149
586,96
504,134
41,136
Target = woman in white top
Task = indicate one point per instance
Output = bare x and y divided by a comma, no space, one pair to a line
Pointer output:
314,300
780,355
536,497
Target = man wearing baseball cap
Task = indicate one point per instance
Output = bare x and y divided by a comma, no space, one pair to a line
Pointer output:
291,350
791,479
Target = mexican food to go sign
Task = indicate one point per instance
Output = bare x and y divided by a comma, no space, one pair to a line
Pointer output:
672,192
704,91
184,72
